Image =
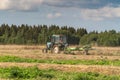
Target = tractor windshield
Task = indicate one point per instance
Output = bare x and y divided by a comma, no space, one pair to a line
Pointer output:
59,39
55,39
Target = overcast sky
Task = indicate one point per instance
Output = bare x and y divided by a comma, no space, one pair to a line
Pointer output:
97,15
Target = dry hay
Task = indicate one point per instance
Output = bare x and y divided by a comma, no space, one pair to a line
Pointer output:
18,47
34,52
37,54
108,51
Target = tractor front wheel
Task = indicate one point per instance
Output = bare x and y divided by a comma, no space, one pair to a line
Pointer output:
56,49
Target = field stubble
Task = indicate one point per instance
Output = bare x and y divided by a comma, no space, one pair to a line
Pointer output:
34,52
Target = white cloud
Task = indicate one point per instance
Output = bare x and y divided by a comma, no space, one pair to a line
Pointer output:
101,14
52,1
25,5
53,15
4,4
58,14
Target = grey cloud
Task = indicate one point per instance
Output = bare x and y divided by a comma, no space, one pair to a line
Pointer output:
34,5
90,4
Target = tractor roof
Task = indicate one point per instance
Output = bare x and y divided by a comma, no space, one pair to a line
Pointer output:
57,35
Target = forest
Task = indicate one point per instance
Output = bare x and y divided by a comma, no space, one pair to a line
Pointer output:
38,34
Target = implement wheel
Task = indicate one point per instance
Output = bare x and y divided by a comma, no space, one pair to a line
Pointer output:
86,52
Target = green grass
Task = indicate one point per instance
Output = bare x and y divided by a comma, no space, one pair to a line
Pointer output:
55,61
33,73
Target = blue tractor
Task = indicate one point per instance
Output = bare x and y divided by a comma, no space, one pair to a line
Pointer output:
56,44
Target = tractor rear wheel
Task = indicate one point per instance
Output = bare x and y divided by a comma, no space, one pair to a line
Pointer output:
44,50
56,49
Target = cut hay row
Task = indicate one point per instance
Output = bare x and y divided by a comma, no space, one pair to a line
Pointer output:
18,47
37,54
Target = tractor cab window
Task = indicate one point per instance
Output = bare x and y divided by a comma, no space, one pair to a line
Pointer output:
58,39
63,39
55,39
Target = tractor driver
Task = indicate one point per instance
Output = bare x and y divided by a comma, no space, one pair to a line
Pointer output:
61,39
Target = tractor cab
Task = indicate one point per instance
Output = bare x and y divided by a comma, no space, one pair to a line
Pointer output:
58,39
57,43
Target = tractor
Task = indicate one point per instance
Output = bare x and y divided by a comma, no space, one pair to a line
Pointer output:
56,44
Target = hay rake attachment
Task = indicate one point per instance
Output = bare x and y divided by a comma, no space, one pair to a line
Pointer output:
85,49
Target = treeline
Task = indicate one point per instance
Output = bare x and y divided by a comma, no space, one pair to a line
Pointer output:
38,34
26,34
106,38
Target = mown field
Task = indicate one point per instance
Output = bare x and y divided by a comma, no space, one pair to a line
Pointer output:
20,62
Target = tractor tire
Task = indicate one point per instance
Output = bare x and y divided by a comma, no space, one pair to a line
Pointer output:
56,49
44,50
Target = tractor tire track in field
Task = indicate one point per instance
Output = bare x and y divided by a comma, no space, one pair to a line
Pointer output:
110,70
